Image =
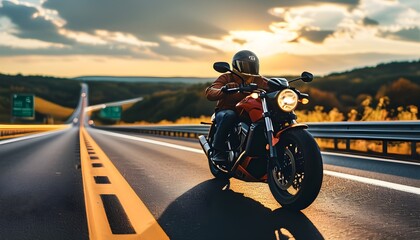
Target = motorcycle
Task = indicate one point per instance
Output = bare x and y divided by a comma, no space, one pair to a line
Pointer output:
268,145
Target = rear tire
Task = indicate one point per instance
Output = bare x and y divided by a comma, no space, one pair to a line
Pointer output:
295,177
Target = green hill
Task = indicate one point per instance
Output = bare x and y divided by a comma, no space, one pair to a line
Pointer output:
63,92
66,92
399,81
171,105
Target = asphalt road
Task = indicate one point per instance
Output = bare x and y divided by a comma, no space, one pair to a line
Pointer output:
188,203
41,193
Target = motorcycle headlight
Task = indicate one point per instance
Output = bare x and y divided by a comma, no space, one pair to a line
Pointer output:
287,100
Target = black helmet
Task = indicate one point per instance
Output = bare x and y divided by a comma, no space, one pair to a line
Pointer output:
246,62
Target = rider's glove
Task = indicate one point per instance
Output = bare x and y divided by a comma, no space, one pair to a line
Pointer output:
228,86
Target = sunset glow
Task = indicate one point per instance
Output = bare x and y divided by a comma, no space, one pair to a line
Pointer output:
76,38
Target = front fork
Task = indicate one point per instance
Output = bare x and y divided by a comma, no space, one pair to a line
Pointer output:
268,128
271,139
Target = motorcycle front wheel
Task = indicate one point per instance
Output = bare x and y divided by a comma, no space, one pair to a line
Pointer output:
295,177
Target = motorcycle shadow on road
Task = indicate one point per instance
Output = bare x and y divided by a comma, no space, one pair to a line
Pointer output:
210,211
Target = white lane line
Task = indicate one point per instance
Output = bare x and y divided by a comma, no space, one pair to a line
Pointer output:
380,183
370,158
375,182
189,149
36,135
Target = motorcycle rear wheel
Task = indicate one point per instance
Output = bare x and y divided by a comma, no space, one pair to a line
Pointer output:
295,177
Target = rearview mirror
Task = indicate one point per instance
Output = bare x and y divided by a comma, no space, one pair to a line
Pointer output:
221,67
307,77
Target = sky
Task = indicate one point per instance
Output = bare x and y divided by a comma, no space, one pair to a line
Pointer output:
185,37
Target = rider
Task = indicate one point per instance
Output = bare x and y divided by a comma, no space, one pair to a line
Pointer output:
246,64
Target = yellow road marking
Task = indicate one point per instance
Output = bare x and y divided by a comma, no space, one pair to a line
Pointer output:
143,222
15,130
40,127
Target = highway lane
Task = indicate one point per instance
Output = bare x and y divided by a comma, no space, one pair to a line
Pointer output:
188,203
41,193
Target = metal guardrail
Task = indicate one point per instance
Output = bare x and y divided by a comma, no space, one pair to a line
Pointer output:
387,134
342,134
12,131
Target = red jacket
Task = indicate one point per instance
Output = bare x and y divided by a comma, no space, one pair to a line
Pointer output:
229,101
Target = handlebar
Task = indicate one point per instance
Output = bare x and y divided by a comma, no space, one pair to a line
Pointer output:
254,88
243,88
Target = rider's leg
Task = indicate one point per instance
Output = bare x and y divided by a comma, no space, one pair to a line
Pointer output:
225,119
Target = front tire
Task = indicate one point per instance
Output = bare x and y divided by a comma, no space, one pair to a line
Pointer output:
295,177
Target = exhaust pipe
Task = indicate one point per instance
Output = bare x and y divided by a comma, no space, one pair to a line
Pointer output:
204,144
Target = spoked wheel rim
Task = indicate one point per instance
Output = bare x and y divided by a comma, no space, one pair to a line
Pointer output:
287,172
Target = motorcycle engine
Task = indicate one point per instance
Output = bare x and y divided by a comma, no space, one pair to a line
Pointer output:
237,141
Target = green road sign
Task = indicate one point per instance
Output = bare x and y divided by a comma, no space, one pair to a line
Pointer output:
112,112
23,106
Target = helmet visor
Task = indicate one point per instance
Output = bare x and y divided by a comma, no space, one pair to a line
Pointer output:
247,67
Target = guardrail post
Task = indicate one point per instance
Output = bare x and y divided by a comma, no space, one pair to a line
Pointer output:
384,147
414,149
347,144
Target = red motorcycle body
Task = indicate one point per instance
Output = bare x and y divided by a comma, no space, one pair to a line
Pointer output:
252,167
250,108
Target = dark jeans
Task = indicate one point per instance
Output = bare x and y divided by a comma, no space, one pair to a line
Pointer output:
225,120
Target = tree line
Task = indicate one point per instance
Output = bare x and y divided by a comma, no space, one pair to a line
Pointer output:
387,91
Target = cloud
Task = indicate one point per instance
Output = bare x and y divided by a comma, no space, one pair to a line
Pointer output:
312,23
28,31
197,29
414,4
171,24
391,13
406,34
121,52
393,20
144,19
370,22
30,25
239,41
150,19
315,36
